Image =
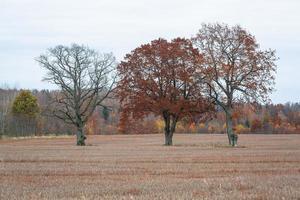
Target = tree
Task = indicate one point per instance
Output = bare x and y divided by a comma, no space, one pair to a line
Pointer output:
25,104
25,109
256,125
236,68
7,95
158,78
105,113
85,79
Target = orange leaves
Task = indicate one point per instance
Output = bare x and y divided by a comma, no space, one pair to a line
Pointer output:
158,77
256,124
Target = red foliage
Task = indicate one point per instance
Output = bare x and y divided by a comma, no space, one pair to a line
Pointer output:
129,125
159,78
256,125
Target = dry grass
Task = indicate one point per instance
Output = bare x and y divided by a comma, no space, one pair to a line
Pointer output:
140,167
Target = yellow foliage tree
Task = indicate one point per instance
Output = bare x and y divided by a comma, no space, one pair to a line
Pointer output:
159,123
240,128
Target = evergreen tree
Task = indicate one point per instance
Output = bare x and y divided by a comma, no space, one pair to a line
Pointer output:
25,104
25,110
105,113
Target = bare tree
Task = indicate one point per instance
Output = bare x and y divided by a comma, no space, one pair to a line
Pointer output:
85,78
6,97
236,69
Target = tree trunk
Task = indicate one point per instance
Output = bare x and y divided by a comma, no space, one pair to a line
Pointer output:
80,137
168,139
232,138
170,126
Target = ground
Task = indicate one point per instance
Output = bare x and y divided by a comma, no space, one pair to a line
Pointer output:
198,166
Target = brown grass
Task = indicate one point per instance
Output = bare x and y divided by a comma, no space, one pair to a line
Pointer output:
140,167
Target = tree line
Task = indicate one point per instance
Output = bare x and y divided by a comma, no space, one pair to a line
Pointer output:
218,69
247,118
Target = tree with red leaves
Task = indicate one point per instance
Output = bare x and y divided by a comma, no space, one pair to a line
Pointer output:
236,69
158,78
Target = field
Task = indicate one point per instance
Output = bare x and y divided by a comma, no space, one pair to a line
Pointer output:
140,167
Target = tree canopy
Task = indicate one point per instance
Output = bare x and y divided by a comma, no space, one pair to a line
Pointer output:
158,78
25,104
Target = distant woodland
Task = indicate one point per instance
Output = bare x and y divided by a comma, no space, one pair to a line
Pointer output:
248,118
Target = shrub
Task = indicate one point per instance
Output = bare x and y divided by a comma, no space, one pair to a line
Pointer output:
240,128
256,125
159,124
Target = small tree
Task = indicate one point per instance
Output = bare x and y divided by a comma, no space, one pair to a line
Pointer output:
105,113
85,79
25,109
25,104
158,78
236,69
256,125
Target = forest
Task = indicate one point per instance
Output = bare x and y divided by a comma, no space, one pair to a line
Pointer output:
264,119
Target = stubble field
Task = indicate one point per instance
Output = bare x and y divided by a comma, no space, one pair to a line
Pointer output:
140,167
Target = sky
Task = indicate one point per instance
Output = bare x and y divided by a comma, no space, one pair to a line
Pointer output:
29,27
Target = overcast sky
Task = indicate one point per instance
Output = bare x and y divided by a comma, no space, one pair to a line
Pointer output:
29,27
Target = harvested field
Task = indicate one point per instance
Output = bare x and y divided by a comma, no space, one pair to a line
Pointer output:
140,167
